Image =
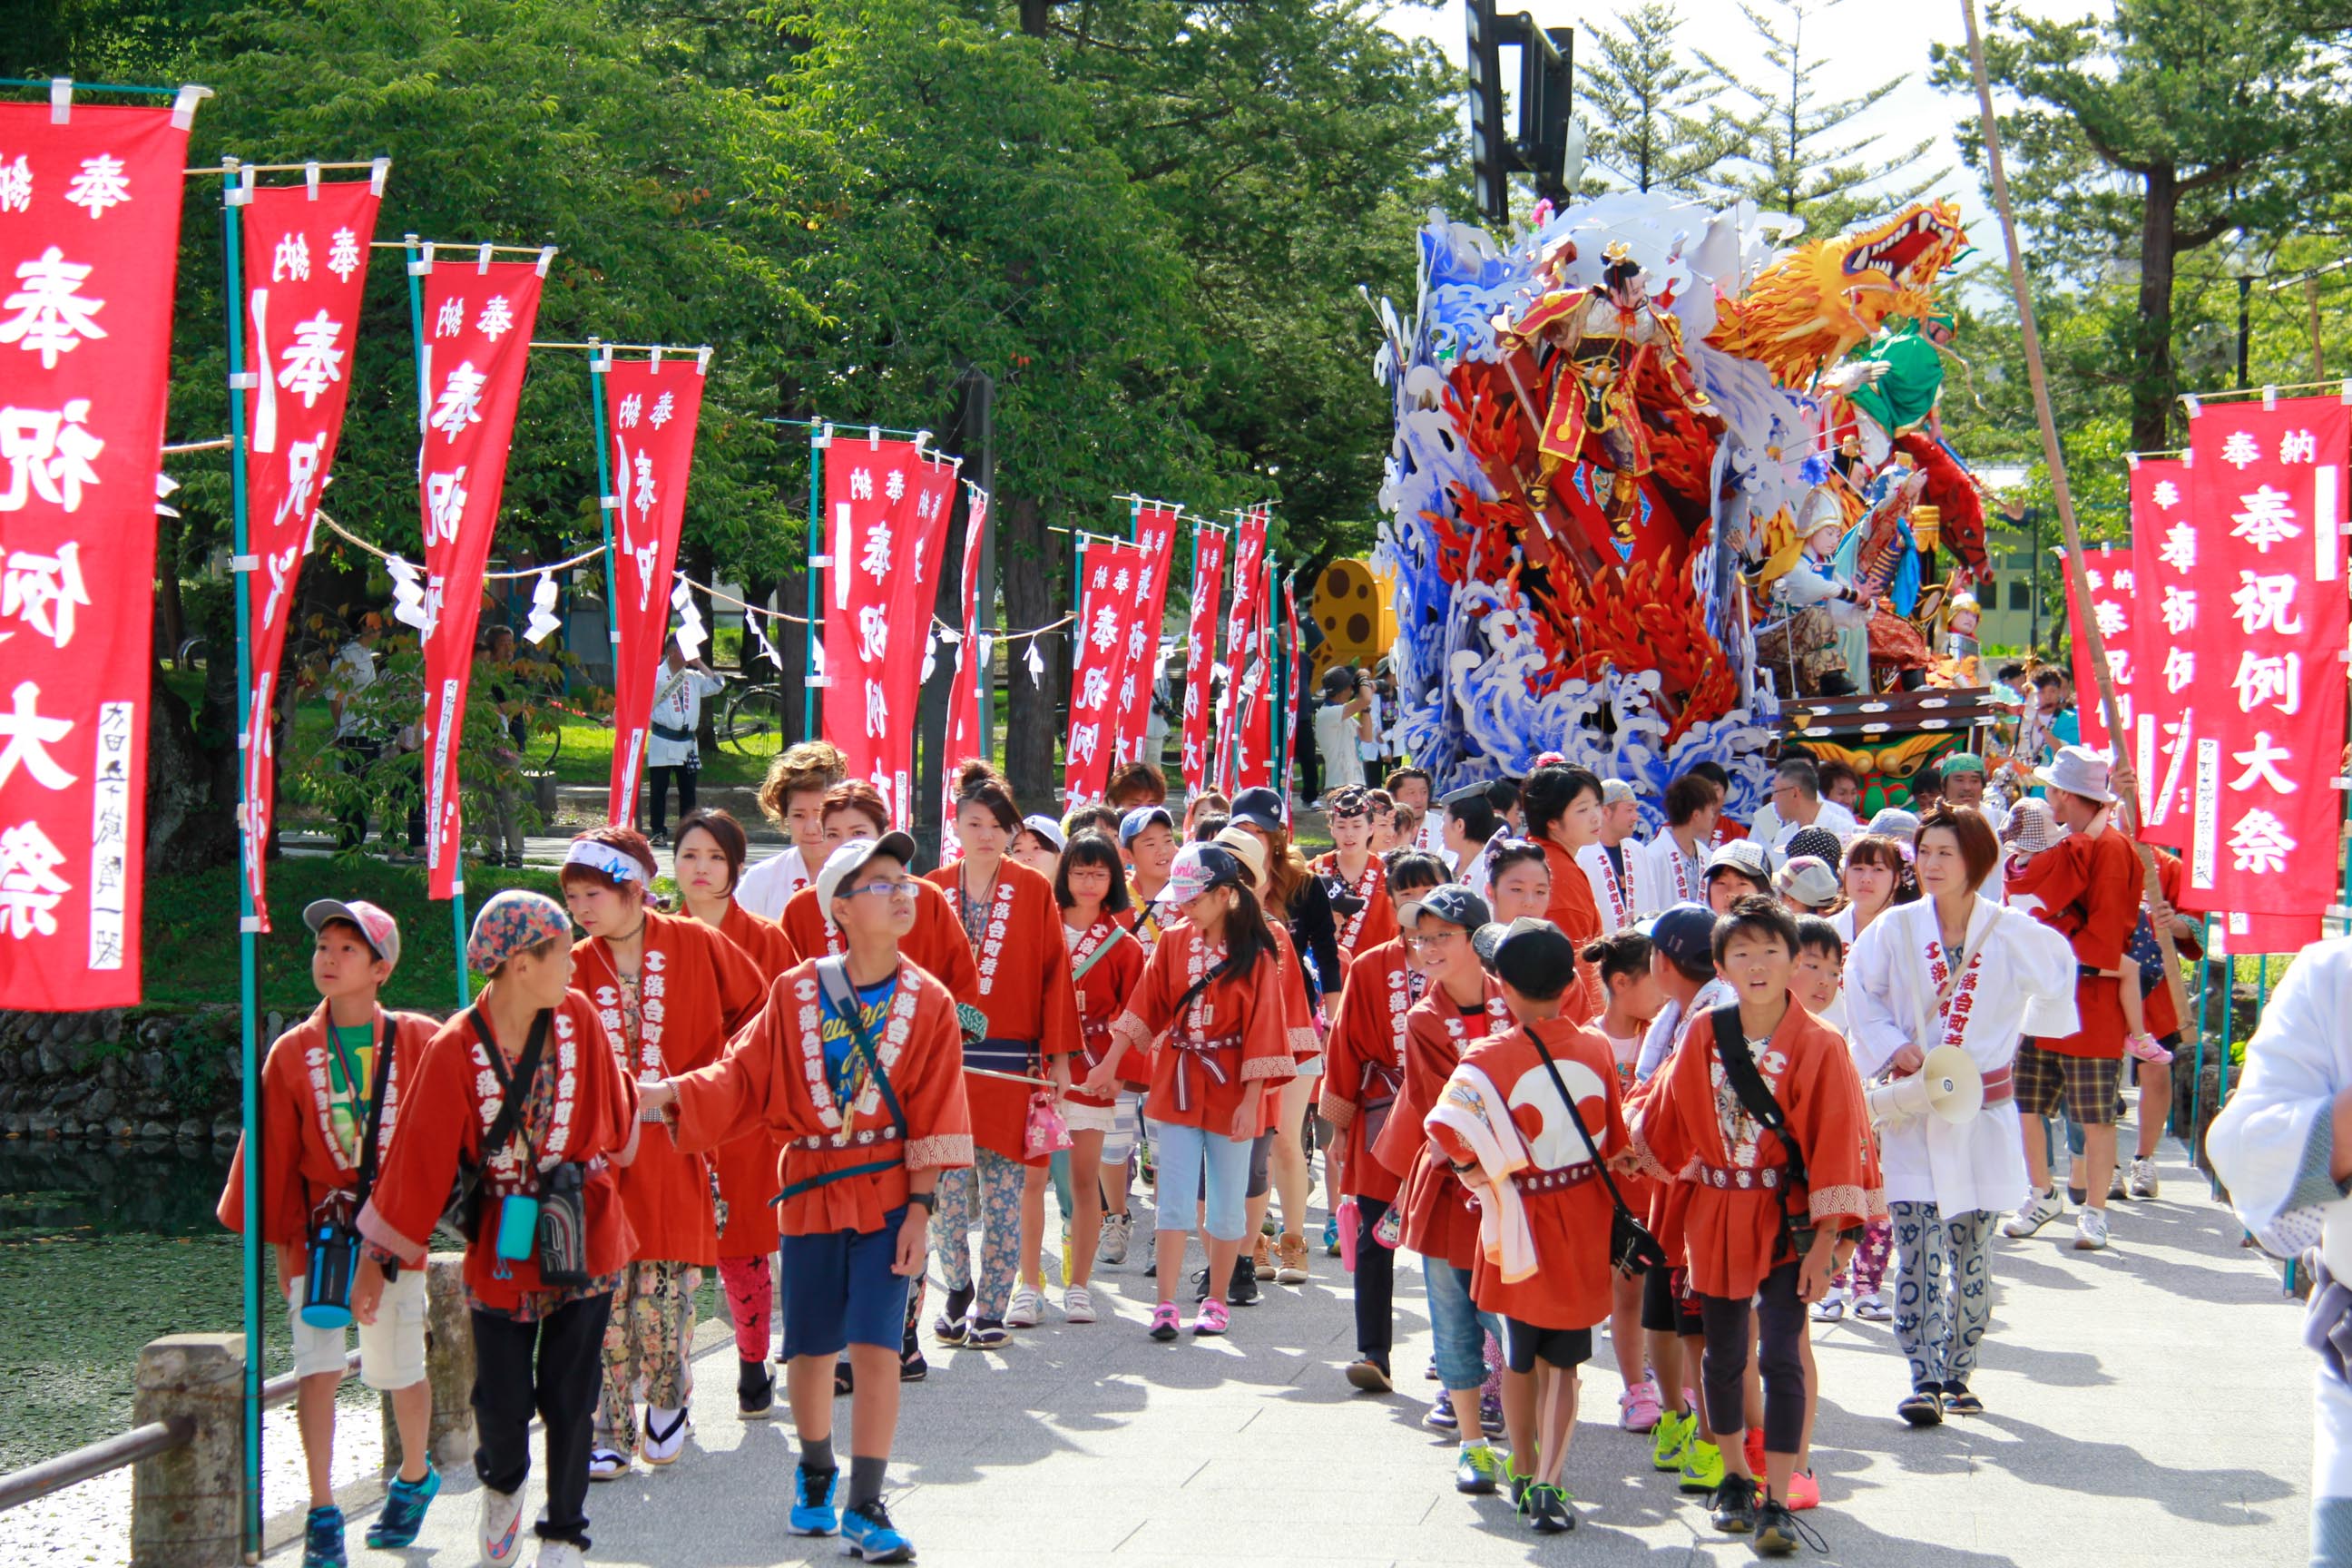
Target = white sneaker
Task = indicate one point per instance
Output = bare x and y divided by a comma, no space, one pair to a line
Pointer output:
2090,1229
501,1527
1078,1304
1025,1309
1873,1307
1112,1249
2142,1177
2032,1215
560,1554
1832,1306
664,1449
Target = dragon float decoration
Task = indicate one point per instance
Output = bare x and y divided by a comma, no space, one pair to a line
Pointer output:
1652,473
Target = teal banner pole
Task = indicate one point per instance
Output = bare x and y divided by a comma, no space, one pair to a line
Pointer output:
820,438
248,1048
600,361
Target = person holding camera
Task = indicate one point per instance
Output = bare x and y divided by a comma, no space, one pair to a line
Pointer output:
329,1091
1337,722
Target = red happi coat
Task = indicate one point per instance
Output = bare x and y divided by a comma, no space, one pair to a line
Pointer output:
1373,924
936,944
1102,996
2090,890
301,1162
1578,914
1149,917
1297,1018
746,1167
1232,1033
1363,1064
1025,988
697,988
1438,1219
1693,1131
449,1113
1570,1222
773,1078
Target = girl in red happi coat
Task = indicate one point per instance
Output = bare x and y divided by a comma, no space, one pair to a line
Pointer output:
1009,918
1353,865
1106,961
669,990
1564,811
709,863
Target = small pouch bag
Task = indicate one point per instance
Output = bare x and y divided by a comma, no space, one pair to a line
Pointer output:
563,1225
1046,1134
517,1227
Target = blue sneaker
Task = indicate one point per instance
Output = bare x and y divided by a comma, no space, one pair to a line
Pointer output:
872,1537
814,1512
1331,1235
405,1504
322,1539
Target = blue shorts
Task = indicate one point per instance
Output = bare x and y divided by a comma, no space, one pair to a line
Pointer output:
1197,1167
840,1290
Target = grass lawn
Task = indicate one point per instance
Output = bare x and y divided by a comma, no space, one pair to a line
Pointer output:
191,930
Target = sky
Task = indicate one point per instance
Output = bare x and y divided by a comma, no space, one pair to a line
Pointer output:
1861,43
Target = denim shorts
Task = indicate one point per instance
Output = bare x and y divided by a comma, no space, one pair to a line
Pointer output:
1192,1163
840,1290
1459,1329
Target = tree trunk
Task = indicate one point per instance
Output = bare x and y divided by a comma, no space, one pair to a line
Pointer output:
170,615
1030,565
2151,385
1034,17
191,788
792,646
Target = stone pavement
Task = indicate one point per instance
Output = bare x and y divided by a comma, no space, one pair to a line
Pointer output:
2147,1406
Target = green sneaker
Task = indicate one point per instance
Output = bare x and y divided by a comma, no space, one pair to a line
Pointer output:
1701,1466
1476,1471
1518,1483
1673,1434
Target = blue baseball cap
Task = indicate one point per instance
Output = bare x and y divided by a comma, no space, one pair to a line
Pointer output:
1137,818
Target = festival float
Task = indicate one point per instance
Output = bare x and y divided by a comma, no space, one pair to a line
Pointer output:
1668,486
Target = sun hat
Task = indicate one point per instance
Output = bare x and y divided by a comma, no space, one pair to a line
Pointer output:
1249,851
1809,881
514,921
377,929
1894,822
2077,770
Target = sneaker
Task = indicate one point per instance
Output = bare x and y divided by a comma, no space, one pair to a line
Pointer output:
1671,1436
1429,1372
1200,1283
1441,1417
1778,1533
1732,1509
1873,1307
1702,1465
1368,1376
870,1536
1025,1309
502,1521
2117,1191
1261,1256
1637,1408
2144,1048
322,1539
1078,1305
1290,1259
2090,1230
1211,1320
560,1554
1548,1509
1477,1470
1804,1491
1165,1324
606,1464
1331,1235
1241,1290
1519,1485
813,1494
2143,1176
403,1514
664,1436
755,1390
1832,1306
2038,1210
1111,1250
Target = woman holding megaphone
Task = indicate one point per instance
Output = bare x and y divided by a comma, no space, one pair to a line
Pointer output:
1948,985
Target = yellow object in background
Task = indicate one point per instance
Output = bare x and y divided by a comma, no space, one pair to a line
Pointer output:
1355,609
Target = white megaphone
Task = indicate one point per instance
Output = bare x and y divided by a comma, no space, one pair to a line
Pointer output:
1947,1087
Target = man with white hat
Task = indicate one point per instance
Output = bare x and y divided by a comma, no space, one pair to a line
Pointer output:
1617,865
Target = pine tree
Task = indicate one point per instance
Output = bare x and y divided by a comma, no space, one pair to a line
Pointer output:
1646,130
1790,158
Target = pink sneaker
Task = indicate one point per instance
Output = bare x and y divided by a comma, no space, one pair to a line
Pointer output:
1211,1320
1638,1408
2143,1048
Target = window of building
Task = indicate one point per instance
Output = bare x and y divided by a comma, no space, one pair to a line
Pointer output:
2020,593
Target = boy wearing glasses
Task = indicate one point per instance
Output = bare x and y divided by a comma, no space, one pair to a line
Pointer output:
855,1069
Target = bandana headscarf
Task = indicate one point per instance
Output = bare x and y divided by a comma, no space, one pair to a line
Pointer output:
514,921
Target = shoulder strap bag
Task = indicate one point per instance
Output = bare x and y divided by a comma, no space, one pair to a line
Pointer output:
1740,1071
1632,1248
465,1210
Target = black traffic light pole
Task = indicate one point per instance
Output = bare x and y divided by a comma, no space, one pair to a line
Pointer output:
1547,75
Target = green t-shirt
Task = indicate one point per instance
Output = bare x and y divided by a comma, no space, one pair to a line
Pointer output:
347,1105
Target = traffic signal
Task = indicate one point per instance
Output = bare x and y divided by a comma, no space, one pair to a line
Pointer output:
1547,74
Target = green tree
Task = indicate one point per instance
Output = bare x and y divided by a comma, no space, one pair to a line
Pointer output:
1648,106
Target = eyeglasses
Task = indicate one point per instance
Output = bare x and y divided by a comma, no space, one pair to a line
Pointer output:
905,890
1428,942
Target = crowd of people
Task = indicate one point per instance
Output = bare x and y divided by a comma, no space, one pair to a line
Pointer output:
1593,1083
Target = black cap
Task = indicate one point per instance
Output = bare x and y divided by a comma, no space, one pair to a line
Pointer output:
1685,934
1463,796
1451,903
1260,807
1530,955
1338,678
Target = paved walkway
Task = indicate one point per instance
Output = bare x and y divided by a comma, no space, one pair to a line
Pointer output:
2149,1405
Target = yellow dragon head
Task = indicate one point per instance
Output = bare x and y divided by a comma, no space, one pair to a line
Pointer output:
1813,305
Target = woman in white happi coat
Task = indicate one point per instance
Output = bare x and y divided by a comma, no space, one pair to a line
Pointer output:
1952,968
2283,1145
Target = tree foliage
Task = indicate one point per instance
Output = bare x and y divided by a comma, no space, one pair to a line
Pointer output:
1654,124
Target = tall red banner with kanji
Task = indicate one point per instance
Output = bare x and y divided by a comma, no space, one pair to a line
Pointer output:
651,408
1108,572
964,738
1155,536
2266,491
478,320
1244,655
305,254
885,505
1290,698
90,232
2109,572
1201,653
2165,696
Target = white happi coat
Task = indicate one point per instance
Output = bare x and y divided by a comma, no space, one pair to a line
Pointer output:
1635,889
2024,985
1674,876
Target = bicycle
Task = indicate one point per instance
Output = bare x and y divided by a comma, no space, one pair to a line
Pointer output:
752,724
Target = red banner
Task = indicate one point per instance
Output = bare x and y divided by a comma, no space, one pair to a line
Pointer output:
1290,697
1244,655
1201,652
478,320
305,252
89,235
972,668
1155,536
2108,571
888,502
2266,491
650,412
2164,694
1108,574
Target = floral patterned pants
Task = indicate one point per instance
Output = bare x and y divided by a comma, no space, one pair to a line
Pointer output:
1867,1269
645,1345
1943,1300
999,1182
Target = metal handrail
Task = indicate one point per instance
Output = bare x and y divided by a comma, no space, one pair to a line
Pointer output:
92,1459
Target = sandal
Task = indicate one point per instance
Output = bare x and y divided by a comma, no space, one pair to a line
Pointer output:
952,1325
1959,1401
913,1368
605,1463
1922,1407
984,1334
